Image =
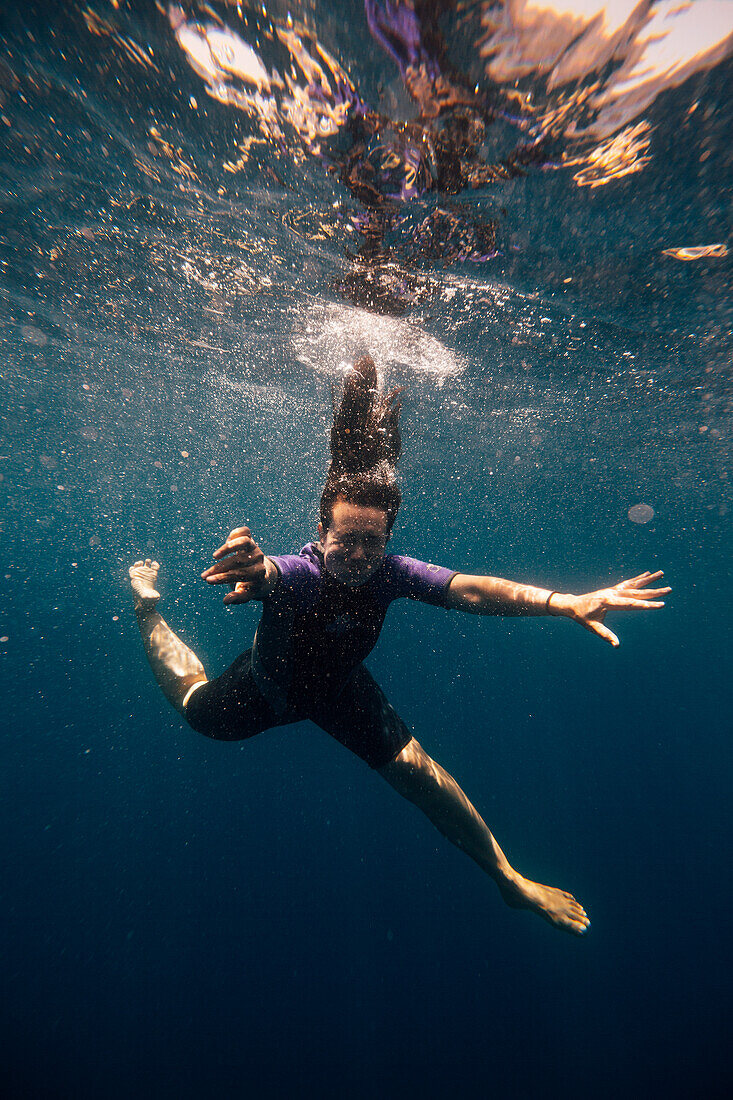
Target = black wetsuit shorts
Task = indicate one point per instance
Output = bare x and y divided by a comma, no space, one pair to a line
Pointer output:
232,708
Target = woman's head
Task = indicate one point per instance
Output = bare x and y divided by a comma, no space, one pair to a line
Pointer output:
354,541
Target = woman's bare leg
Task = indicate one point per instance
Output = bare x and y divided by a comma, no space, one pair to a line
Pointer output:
176,668
420,780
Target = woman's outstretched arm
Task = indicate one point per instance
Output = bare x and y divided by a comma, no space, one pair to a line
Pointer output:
495,596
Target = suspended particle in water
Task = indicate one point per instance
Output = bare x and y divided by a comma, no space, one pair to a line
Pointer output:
641,513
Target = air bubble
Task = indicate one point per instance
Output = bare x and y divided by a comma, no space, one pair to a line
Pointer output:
33,335
641,513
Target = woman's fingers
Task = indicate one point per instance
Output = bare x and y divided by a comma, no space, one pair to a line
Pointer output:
633,582
235,543
616,600
643,578
242,593
624,592
228,575
591,610
602,631
241,554
637,593
217,570
241,561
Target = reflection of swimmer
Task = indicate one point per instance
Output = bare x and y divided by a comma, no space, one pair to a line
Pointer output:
322,613
384,163
438,152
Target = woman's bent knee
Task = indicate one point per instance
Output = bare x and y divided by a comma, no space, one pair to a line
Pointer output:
192,688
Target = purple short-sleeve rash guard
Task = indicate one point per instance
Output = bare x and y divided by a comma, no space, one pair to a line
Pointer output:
315,630
398,577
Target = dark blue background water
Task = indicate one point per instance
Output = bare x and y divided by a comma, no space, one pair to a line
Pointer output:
186,918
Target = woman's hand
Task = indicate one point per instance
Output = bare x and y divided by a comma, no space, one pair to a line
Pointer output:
590,610
241,564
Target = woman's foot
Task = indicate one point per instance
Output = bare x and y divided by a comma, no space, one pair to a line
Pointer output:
556,906
143,575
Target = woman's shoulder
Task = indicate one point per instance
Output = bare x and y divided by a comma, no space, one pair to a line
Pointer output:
411,577
300,576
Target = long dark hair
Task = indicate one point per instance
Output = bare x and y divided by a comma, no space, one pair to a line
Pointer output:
365,445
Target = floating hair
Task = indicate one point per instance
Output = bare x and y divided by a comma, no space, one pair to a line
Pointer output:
366,431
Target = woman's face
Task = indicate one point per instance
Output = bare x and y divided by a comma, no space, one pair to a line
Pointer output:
354,544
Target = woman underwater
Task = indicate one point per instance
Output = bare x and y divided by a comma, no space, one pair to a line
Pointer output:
322,613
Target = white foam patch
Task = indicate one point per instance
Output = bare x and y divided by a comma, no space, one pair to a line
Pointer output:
329,336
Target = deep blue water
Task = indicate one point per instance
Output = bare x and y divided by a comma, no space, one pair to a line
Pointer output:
189,918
